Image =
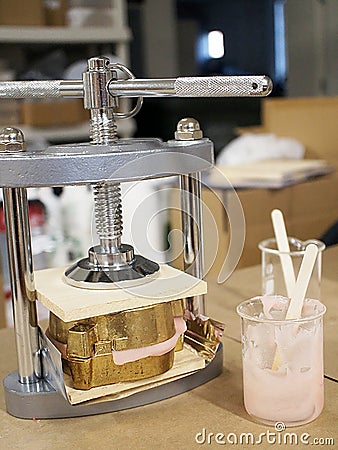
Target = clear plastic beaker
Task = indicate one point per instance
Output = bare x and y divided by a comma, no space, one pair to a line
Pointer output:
272,274
283,375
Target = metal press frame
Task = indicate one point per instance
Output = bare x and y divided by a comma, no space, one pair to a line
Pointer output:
34,391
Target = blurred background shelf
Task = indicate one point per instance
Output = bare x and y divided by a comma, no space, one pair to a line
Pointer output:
46,42
77,132
58,35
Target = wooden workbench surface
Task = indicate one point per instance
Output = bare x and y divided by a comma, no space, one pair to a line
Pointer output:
216,407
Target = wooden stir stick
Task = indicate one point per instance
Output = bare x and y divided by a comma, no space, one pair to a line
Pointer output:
297,299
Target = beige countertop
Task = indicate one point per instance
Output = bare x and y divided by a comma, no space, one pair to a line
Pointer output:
216,407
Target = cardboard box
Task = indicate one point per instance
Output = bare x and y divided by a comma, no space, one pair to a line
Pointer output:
40,113
257,204
18,12
311,120
55,12
10,112
309,208
314,207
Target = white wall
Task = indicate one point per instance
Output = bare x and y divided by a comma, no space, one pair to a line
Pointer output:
312,46
160,47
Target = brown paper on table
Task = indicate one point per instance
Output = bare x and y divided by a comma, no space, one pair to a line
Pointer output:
186,362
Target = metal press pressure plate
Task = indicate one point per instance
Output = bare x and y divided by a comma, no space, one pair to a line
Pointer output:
85,163
111,270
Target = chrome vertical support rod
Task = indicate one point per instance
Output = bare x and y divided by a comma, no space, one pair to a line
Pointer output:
20,263
22,284
193,251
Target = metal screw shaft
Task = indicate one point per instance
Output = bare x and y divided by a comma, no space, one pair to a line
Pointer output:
108,215
103,129
107,196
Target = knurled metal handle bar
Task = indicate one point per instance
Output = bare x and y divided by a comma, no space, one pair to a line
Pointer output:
215,86
41,89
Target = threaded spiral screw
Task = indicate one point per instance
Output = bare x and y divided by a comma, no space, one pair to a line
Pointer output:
103,129
107,196
108,215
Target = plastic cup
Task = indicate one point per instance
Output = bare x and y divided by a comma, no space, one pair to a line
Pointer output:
293,393
272,274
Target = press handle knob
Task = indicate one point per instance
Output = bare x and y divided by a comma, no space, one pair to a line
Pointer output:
223,86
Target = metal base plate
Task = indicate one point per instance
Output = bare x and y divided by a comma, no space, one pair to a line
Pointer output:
41,401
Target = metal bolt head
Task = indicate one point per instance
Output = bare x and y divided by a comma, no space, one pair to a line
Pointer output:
98,63
188,129
12,140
